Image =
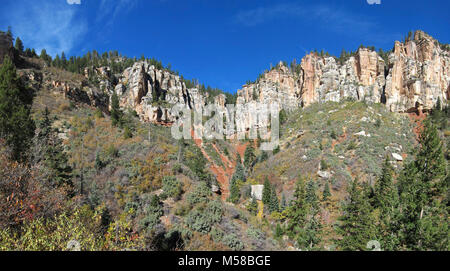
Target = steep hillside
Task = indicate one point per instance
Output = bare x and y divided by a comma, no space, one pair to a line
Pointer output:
123,182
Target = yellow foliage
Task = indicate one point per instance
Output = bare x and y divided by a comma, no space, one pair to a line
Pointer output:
260,210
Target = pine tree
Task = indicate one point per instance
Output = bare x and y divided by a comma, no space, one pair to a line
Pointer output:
283,202
238,176
311,195
19,45
278,231
9,33
234,191
423,189
253,206
52,153
63,60
249,156
297,211
274,205
326,192
312,228
387,202
357,225
267,193
16,126
116,113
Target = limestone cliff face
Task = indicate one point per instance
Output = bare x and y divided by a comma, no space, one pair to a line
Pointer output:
419,74
279,85
151,92
415,77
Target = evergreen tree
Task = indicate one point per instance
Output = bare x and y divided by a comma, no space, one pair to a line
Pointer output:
9,33
234,191
274,205
387,202
63,60
52,152
312,228
297,212
423,189
357,225
311,195
253,207
16,125
249,156
326,192
278,231
283,202
267,193
116,113
19,45
238,176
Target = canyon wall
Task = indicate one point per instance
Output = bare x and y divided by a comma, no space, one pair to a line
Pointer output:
416,75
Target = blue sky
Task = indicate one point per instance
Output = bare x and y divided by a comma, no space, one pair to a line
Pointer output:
222,43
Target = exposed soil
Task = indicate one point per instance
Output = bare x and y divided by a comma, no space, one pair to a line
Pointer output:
223,176
418,118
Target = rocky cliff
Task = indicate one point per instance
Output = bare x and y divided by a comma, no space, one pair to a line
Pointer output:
413,77
416,75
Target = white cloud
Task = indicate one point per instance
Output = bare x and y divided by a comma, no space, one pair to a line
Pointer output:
49,25
334,18
110,9
76,2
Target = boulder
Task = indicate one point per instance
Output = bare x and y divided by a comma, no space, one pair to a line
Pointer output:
324,174
397,156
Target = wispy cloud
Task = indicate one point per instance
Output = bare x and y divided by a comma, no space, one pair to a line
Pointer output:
336,19
49,25
72,2
110,9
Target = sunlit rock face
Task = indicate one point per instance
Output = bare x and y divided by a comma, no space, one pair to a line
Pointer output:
412,77
419,74
416,75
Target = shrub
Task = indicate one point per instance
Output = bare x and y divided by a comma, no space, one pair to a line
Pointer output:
200,194
172,187
323,165
177,168
217,234
233,242
276,150
202,220
127,133
352,145
255,234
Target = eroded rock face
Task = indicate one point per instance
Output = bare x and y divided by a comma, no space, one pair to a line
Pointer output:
278,85
144,88
419,74
415,77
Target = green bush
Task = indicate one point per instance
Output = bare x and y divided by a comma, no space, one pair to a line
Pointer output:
233,242
177,168
172,188
200,194
255,234
217,234
202,220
